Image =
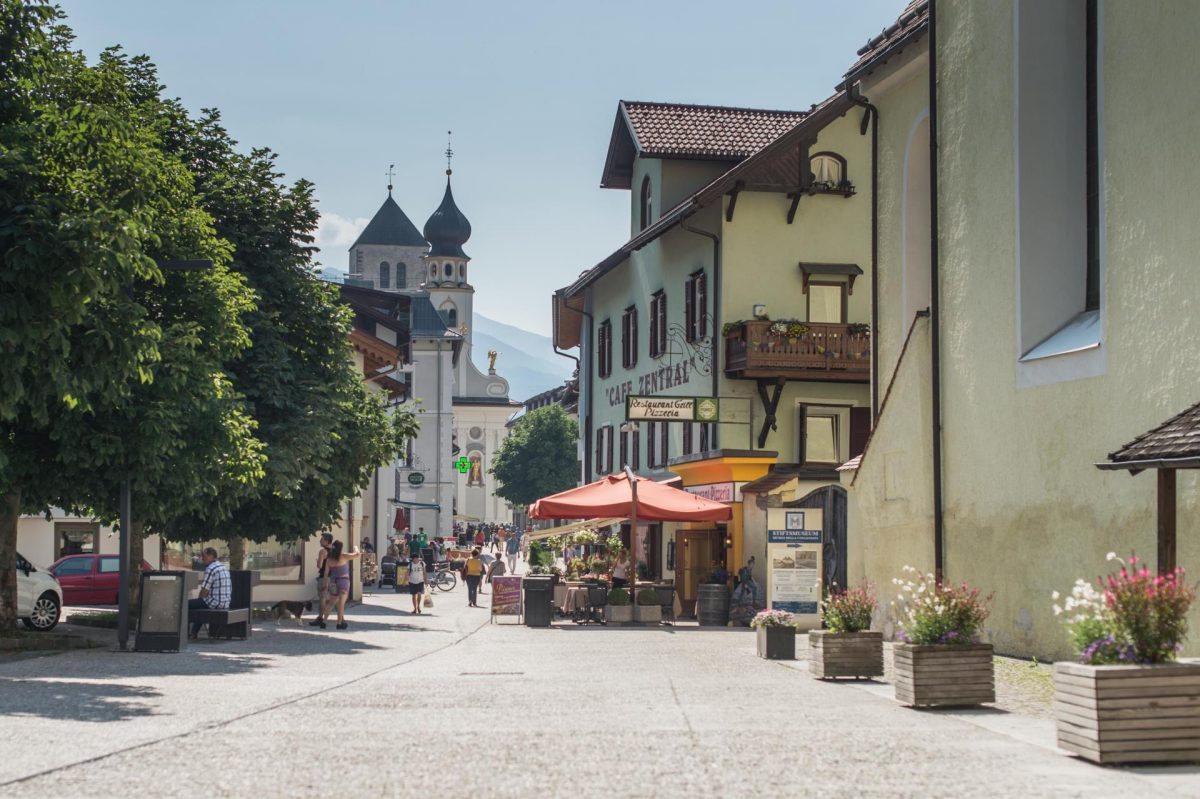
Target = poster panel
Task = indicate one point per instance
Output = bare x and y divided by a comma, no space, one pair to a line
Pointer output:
506,595
794,562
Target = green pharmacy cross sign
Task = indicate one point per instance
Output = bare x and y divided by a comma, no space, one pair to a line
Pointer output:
463,465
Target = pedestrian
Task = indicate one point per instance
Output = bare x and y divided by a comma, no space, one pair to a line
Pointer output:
496,569
473,573
746,577
322,580
620,572
216,589
339,581
511,549
416,583
479,538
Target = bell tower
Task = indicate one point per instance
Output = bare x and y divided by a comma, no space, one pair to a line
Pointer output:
447,230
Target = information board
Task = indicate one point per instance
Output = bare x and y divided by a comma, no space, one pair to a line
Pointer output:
506,595
794,562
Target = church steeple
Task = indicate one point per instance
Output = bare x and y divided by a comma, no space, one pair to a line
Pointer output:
447,229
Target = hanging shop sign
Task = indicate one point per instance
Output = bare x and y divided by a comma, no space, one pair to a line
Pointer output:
416,478
795,562
640,408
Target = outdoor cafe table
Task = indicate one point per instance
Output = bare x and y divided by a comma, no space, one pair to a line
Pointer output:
575,598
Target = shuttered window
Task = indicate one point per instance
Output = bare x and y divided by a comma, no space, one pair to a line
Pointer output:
629,338
604,349
658,324
695,308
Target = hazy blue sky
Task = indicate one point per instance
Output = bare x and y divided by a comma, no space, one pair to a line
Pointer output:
530,89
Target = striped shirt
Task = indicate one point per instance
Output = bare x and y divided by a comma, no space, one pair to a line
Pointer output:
219,585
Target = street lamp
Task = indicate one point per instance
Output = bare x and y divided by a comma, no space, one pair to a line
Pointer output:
124,503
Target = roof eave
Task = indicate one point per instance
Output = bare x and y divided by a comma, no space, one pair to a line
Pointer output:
1135,466
884,55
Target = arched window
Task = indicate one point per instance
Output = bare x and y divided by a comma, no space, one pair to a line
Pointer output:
829,169
647,204
449,269
449,315
401,275
385,275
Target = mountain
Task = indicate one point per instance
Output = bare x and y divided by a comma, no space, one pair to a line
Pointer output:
526,359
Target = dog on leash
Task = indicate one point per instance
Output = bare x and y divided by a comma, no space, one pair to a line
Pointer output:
289,610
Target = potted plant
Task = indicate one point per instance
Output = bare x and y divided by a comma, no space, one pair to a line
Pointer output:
776,630
846,647
618,610
1126,699
648,608
939,660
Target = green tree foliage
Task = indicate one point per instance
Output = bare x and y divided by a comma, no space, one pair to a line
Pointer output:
538,457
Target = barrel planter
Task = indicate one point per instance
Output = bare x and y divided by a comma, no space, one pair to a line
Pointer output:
712,605
1129,714
856,655
944,675
777,643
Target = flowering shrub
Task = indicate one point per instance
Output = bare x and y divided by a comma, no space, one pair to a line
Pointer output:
774,618
848,611
1128,617
937,613
788,327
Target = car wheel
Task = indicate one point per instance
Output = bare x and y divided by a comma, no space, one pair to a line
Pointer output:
46,611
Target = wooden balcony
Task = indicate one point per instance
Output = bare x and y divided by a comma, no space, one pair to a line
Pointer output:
822,353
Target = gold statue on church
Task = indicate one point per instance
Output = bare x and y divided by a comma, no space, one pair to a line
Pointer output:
492,360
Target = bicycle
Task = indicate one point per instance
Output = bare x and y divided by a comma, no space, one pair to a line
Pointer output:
443,578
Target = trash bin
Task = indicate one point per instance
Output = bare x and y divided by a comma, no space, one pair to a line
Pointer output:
539,600
163,613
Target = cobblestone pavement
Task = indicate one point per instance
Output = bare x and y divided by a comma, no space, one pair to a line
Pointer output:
401,706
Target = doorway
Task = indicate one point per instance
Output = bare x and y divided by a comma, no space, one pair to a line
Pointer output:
696,552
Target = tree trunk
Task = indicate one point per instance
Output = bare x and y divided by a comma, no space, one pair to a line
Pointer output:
237,553
10,512
137,549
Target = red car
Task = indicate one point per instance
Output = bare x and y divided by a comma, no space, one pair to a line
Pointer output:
89,579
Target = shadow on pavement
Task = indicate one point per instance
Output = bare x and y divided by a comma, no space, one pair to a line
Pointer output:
75,701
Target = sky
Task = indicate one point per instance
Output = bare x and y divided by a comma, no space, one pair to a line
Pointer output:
340,90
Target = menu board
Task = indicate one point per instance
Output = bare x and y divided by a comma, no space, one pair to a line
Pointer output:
506,595
794,577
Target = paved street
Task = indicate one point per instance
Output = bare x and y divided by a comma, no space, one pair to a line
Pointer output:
400,705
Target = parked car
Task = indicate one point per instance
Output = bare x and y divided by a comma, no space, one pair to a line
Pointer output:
89,579
39,597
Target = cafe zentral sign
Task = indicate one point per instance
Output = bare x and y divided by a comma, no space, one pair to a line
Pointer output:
671,409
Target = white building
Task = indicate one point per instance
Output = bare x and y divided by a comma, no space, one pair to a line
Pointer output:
462,410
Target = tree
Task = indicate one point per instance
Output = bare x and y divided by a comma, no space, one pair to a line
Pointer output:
88,201
538,457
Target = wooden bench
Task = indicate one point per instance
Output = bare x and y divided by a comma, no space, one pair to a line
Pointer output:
227,623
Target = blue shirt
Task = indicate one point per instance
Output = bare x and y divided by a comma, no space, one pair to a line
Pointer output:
219,585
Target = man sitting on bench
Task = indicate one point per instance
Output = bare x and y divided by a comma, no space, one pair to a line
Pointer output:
216,589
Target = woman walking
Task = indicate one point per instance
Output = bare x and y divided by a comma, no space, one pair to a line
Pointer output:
338,569
473,572
416,583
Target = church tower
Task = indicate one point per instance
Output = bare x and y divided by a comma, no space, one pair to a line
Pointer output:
446,264
388,253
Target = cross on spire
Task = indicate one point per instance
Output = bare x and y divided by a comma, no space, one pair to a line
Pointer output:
449,153
390,174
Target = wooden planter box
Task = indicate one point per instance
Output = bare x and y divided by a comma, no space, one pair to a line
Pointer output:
618,614
647,613
942,675
777,643
1129,714
855,655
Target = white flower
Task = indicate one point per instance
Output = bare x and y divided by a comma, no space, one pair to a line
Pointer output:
1054,595
1111,556
1058,610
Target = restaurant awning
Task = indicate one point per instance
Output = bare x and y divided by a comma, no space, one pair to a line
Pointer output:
613,496
574,527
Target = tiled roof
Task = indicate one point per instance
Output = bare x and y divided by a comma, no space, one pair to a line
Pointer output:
1175,439
704,131
911,23
390,227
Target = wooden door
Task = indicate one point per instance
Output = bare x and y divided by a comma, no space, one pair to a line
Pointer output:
695,551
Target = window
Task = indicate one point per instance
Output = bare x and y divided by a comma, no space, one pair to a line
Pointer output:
385,275
658,324
75,566
276,562
695,309
604,349
829,170
656,444
688,448
604,449
631,446
699,437
401,275
433,271
1059,191
110,565
821,435
827,302
448,268
646,211
629,338
450,315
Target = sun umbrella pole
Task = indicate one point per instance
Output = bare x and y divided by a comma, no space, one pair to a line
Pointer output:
633,523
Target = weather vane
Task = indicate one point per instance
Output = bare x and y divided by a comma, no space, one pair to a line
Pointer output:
390,174
449,152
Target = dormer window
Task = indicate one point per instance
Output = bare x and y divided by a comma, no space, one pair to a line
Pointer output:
829,170
646,213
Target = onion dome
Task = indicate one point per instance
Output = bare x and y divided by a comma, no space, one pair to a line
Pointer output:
447,229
